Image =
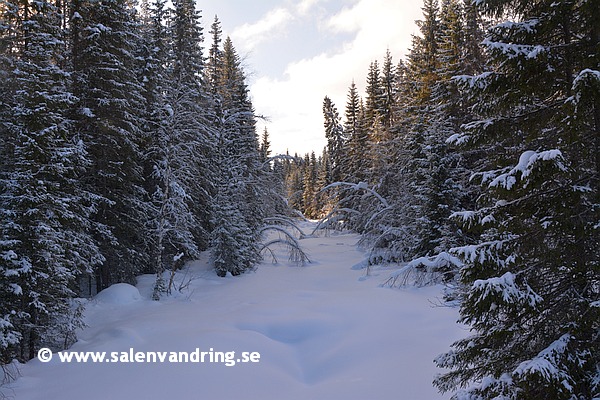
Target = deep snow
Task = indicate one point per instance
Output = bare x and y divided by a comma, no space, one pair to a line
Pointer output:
323,331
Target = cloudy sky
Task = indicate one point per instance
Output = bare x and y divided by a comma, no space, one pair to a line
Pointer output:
297,52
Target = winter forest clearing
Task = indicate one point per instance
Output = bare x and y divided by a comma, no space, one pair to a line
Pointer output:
129,150
323,331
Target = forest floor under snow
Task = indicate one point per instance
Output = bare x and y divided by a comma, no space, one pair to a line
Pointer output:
323,331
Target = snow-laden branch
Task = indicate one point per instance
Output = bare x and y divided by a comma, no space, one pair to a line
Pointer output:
357,186
505,288
524,168
549,363
297,255
298,160
329,218
288,222
424,271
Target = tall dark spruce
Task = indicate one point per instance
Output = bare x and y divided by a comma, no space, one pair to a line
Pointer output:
109,125
533,281
45,240
238,202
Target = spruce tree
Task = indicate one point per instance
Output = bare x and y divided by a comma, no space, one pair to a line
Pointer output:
388,87
8,38
335,138
172,147
311,173
441,188
272,178
193,114
357,145
109,125
404,163
239,202
356,138
45,230
375,100
423,60
215,55
265,149
532,282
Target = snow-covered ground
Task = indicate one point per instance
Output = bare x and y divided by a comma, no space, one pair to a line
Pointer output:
323,331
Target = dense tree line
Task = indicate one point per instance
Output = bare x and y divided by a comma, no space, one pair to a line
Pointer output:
475,160
484,144
303,178
124,150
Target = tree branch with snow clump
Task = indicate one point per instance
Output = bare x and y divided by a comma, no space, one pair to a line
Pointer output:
547,365
528,161
424,271
507,289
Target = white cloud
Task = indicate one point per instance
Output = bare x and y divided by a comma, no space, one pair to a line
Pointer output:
378,23
304,6
250,35
294,102
293,105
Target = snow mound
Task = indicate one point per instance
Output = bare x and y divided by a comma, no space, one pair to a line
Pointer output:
120,293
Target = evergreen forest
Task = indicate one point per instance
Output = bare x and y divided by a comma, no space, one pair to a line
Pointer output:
129,145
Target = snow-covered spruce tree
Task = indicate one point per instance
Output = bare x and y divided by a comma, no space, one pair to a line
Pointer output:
273,177
355,169
45,240
424,177
380,133
336,140
332,161
215,57
443,187
173,145
350,152
417,138
294,182
107,120
397,234
309,195
440,187
442,177
376,121
8,38
532,285
375,99
324,177
190,92
9,334
233,246
388,86
423,57
264,150
237,205
355,161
